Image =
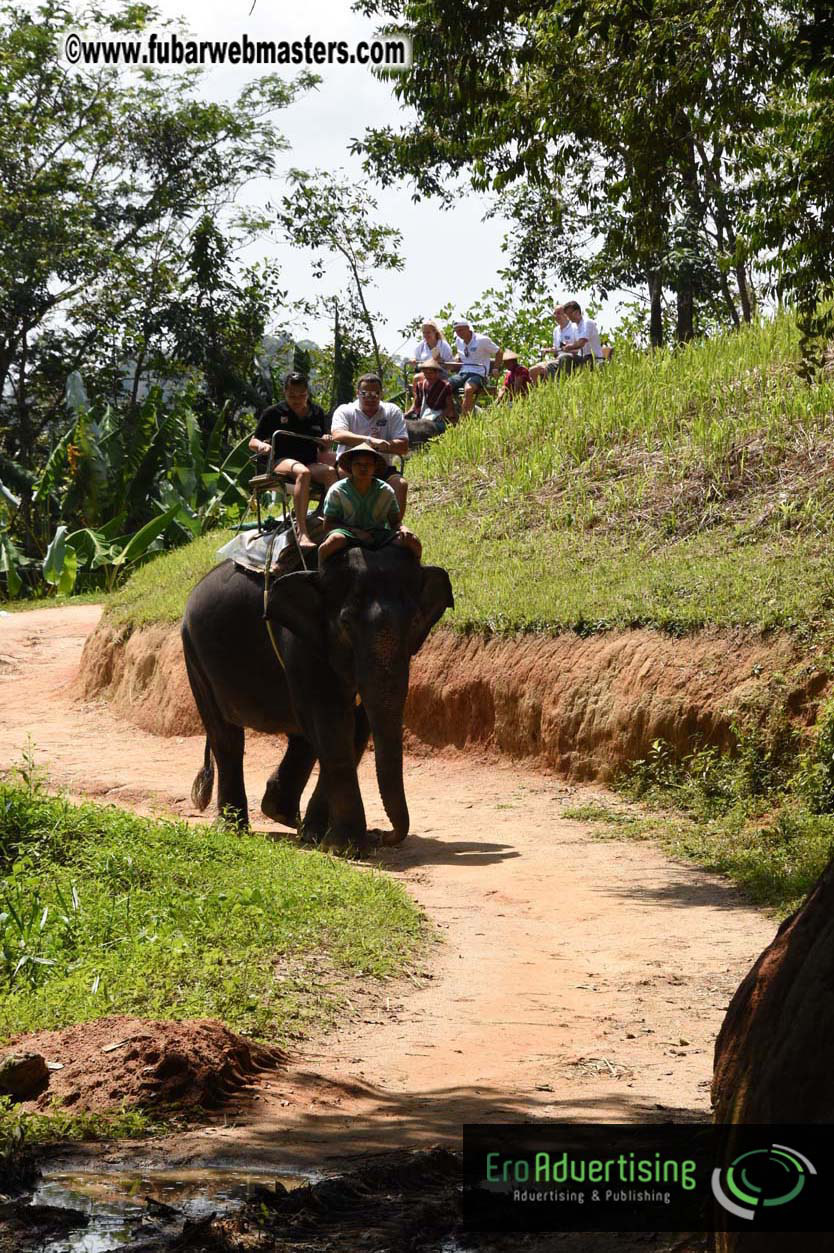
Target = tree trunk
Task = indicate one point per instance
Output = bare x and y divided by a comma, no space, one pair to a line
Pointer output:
656,309
685,328
744,292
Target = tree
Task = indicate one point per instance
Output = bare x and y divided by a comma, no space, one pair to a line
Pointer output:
101,183
625,119
325,212
216,321
792,167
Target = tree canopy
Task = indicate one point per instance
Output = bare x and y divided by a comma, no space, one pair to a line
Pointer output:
621,134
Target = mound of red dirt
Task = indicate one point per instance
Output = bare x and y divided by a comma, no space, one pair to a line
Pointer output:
123,1061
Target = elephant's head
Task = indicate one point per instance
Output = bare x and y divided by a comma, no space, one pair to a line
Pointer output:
367,613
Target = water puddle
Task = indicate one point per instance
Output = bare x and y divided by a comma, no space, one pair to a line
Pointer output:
125,1207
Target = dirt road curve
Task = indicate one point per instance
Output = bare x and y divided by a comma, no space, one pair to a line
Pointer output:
579,978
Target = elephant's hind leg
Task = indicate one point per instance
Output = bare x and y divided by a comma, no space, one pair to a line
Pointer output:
224,738
284,786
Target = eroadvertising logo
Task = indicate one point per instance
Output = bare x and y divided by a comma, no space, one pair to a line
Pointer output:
761,1177
681,1177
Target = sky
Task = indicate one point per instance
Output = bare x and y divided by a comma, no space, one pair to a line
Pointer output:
466,251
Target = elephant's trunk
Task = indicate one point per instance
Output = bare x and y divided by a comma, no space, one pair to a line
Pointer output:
385,707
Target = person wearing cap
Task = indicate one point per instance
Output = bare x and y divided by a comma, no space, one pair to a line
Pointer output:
296,415
361,508
516,380
474,357
369,419
564,333
433,397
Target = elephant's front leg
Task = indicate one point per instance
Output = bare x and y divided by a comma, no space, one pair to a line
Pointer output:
317,817
346,828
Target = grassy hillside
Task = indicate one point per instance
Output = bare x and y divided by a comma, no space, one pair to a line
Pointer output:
675,490
672,490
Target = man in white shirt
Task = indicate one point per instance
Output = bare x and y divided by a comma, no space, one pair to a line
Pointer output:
586,347
475,354
370,420
564,332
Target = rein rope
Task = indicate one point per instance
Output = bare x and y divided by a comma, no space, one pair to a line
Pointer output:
267,572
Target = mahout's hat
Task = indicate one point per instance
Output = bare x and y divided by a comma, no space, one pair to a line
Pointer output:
344,458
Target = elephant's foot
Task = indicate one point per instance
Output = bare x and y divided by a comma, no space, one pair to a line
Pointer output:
233,817
343,844
310,837
276,807
389,839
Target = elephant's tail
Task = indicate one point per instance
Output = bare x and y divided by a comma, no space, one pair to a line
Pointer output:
203,785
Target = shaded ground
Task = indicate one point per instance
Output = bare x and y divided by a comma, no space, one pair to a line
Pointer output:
577,978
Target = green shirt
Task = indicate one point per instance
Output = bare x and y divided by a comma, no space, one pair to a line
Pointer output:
376,510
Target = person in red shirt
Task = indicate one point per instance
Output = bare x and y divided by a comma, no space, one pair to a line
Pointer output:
516,381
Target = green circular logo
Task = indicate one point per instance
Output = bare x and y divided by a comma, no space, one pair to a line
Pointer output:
761,1178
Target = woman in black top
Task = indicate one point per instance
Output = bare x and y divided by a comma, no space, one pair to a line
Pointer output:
297,414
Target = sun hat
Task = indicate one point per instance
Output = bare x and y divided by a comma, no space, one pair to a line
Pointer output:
431,364
344,458
509,355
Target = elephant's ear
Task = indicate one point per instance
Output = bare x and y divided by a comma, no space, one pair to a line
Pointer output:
295,602
435,598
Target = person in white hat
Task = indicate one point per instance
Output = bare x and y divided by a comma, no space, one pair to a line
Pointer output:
361,508
475,354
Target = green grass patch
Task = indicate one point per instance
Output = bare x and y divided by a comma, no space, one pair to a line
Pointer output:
20,1127
677,490
103,912
157,592
763,816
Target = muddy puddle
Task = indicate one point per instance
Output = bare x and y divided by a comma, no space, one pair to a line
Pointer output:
118,1211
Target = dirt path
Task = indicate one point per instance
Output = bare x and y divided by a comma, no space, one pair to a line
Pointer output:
579,978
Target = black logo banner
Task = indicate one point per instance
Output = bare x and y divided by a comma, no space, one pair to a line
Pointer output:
647,1177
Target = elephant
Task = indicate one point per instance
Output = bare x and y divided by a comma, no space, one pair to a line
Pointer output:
344,637
421,430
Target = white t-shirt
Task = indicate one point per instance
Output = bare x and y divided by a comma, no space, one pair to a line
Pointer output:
476,355
441,351
586,328
387,423
563,335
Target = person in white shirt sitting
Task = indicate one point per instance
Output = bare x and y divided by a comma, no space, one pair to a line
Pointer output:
586,348
432,347
564,333
474,359
371,420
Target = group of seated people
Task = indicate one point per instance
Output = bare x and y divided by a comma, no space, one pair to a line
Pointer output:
353,459
441,376
352,456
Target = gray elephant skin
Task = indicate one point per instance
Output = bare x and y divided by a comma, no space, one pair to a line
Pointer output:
346,636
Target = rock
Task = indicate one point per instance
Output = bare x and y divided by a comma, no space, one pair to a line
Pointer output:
23,1076
773,1053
